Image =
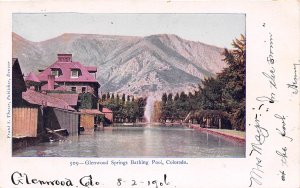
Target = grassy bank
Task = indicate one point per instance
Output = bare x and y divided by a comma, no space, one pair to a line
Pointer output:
239,134
233,134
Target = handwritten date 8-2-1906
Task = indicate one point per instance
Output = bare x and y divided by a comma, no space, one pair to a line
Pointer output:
148,183
22,179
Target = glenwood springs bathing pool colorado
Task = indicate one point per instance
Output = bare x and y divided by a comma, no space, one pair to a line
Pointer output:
168,88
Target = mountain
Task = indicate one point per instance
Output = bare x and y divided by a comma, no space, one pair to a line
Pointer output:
133,65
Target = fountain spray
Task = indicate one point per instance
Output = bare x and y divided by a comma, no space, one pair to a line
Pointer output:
149,108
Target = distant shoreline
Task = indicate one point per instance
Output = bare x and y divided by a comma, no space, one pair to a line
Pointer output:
144,124
238,136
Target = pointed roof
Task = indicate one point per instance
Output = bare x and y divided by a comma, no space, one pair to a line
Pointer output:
92,69
61,88
70,98
106,110
18,83
45,86
66,68
34,97
32,77
91,111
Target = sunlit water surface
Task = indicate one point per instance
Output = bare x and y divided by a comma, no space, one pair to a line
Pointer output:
139,142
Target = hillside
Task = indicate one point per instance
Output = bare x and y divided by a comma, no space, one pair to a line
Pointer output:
133,65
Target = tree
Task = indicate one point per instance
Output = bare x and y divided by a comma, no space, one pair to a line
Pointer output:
169,110
88,101
164,98
183,107
157,111
210,95
118,98
104,97
163,114
131,110
170,97
234,91
183,97
141,103
176,97
192,103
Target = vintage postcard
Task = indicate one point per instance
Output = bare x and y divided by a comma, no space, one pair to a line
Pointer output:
185,94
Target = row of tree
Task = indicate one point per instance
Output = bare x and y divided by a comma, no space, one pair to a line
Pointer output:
125,108
177,107
111,96
224,93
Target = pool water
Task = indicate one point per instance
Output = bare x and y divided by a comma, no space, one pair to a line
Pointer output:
139,142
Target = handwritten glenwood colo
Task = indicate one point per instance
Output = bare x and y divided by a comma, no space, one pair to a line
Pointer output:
21,179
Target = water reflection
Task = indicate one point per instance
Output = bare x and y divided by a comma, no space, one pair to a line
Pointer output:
139,142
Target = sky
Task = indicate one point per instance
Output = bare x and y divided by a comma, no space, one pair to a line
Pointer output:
214,29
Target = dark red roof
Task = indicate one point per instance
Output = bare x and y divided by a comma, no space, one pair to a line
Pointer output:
32,77
92,69
34,97
106,110
71,99
90,111
45,87
66,68
61,88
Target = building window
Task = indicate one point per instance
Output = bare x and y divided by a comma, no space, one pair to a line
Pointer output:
74,73
37,88
55,73
83,89
73,89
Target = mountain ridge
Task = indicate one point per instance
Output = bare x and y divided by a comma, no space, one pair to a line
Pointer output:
128,64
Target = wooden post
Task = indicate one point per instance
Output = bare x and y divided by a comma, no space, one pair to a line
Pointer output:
207,122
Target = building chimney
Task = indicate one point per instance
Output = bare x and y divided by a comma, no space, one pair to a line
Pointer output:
51,79
64,57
